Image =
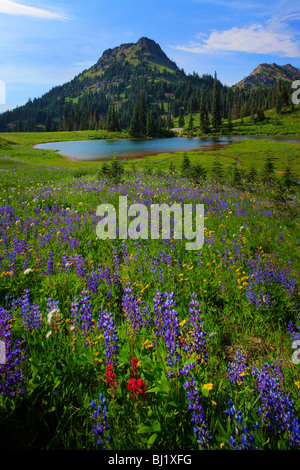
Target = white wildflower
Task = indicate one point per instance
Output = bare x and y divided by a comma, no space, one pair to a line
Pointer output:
54,313
27,271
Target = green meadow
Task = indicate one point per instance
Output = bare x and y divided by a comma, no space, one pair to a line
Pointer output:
141,344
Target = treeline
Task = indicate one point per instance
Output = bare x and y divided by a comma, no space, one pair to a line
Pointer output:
232,104
142,100
238,177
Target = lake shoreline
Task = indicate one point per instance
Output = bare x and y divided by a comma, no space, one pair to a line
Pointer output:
204,148
135,154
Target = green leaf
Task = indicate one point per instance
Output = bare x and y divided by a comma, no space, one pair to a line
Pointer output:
151,440
165,385
153,390
154,427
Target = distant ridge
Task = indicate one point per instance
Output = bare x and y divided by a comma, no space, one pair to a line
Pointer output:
266,75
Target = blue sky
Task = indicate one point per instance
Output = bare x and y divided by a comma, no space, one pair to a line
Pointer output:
44,44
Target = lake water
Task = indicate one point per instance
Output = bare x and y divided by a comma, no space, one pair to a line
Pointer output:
94,150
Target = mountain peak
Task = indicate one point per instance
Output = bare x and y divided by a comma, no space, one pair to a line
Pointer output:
268,75
143,50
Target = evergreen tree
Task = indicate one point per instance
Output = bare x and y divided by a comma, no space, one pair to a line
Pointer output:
112,124
289,178
142,113
181,118
260,115
216,107
217,169
204,124
185,165
138,125
229,122
236,177
190,127
171,168
252,176
169,122
279,97
20,126
65,123
48,123
198,173
150,125
268,172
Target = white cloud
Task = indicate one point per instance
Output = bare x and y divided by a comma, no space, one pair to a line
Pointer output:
272,38
13,8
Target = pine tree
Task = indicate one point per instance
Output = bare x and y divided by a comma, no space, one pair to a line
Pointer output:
20,126
142,113
217,169
65,124
48,123
216,107
181,118
190,127
236,177
268,172
252,176
185,165
150,125
169,121
229,122
204,125
198,173
279,97
112,124
138,125
289,178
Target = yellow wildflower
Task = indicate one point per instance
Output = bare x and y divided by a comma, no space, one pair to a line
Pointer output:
208,387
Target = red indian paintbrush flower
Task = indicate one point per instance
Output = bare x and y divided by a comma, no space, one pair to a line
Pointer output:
111,378
136,385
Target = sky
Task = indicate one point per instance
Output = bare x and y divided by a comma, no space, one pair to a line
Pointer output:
44,44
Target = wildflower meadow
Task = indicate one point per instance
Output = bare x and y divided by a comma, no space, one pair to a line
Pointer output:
140,344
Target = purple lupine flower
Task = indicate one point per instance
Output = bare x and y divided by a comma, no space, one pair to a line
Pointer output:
116,258
82,314
146,315
107,324
131,310
101,428
277,409
236,368
31,314
197,343
80,265
50,263
198,419
11,374
157,307
170,328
